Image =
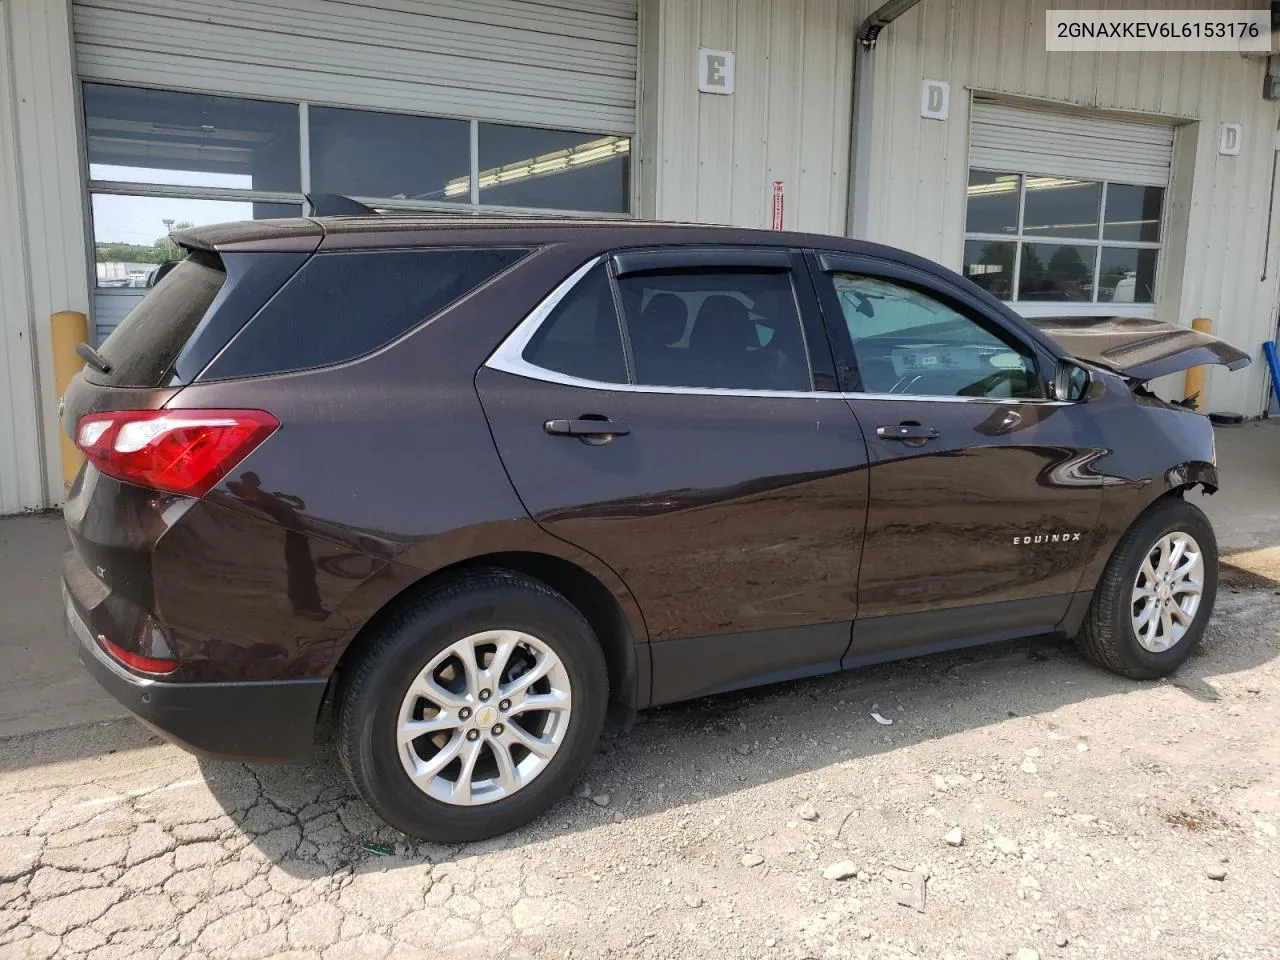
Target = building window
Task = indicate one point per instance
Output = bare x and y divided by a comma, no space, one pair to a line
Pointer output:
531,167
160,160
393,156
1039,240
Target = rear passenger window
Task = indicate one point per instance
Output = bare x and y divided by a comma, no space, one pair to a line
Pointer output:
581,337
341,306
729,329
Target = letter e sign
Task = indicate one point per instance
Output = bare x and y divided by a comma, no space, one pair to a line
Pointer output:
935,99
715,71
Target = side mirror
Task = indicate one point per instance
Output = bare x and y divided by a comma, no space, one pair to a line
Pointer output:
1071,383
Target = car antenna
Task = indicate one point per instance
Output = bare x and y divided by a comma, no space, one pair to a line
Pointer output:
92,357
336,205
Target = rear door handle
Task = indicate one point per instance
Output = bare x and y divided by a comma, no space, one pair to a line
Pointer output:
907,432
586,428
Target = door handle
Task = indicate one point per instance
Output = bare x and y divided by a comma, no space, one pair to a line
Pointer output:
908,432
588,429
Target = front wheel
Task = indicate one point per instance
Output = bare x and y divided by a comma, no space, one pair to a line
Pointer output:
1156,595
474,708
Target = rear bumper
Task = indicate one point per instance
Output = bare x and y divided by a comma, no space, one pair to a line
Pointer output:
258,720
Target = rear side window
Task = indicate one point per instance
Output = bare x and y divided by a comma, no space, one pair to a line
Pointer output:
149,338
727,329
341,306
581,337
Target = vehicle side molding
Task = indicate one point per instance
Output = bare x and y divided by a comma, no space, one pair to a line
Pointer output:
692,667
891,637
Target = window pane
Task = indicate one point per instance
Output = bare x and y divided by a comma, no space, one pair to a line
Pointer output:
733,330
1127,276
581,337
993,203
131,234
365,154
1133,213
556,169
190,139
989,264
1056,271
340,306
1059,207
150,338
908,343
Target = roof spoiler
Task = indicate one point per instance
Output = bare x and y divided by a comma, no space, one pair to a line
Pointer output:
336,205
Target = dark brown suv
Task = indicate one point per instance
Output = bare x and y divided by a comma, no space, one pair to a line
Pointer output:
479,478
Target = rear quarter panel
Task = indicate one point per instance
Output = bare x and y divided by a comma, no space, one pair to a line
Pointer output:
389,458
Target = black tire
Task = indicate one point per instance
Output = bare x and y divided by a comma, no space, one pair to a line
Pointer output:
400,649
1107,636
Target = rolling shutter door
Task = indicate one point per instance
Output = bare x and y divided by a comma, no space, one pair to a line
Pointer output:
1016,139
556,63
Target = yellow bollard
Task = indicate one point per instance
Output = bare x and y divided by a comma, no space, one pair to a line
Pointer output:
69,328
1195,375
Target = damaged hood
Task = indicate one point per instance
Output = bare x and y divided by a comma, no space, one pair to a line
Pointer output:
1136,347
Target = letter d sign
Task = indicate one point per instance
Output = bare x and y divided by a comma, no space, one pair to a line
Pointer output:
935,99
1229,140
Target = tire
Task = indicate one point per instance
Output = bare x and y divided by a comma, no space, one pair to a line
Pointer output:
375,707
1110,636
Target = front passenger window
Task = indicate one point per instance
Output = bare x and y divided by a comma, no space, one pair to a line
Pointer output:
905,342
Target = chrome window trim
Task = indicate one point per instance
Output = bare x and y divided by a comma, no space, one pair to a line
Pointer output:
931,398
509,358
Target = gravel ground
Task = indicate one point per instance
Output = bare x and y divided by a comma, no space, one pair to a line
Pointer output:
1020,804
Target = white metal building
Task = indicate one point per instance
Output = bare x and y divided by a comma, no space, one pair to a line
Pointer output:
1065,183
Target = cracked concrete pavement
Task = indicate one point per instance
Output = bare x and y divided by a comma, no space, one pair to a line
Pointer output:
1092,813
1022,803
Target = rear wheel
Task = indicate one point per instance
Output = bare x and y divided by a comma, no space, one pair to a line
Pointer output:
1156,595
474,708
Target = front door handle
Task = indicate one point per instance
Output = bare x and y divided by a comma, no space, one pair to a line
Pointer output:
907,432
590,429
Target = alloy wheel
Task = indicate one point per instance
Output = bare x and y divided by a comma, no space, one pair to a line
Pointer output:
1167,592
484,717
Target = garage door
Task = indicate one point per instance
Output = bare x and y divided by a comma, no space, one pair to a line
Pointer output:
559,63
1004,137
1066,211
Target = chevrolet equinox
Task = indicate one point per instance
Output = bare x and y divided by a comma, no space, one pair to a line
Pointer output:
477,479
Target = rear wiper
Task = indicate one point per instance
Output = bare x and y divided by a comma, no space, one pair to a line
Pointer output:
92,358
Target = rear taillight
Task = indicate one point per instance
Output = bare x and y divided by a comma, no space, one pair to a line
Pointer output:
179,451
137,661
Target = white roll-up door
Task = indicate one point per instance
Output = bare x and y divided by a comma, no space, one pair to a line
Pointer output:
1015,138
558,63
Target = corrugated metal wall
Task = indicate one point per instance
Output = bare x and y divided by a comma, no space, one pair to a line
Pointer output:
715,158
20,485
43,256
919,168
568,63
